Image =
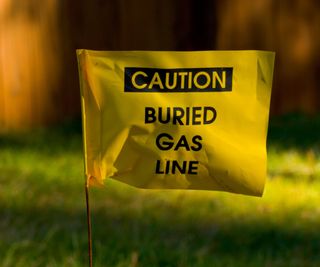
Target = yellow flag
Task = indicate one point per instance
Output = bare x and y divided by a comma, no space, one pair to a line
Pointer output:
177,120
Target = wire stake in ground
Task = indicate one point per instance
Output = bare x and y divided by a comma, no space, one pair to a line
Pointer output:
89,224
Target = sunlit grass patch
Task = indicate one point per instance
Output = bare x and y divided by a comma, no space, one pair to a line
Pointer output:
294,164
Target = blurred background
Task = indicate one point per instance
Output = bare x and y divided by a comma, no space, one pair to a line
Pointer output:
42,207
38,68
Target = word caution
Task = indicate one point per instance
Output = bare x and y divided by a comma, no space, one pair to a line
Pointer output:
178,80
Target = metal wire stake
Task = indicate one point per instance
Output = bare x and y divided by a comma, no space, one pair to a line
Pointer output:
89,225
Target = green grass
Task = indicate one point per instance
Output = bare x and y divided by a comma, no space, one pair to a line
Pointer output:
43,220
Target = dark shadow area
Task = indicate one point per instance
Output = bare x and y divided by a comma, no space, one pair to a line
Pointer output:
168,241
295,131
64,137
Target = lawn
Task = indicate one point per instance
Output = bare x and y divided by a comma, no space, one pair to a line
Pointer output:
43,219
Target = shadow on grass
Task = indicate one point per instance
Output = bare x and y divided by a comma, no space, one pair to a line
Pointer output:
295,131
56,233
66,136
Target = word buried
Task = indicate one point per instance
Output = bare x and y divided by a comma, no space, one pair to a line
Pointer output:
180,115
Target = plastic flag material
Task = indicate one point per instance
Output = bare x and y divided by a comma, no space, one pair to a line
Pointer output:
177,120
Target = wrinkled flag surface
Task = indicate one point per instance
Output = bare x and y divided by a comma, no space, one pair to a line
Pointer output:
176,120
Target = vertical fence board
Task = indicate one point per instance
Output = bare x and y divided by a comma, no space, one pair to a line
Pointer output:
291,29
29,64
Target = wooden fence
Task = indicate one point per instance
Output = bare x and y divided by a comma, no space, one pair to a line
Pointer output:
38,69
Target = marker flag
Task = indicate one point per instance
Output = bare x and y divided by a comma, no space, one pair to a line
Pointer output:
177,120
